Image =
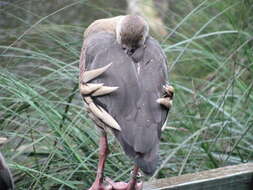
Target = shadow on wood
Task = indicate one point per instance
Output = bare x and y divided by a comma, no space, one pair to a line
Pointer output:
239,177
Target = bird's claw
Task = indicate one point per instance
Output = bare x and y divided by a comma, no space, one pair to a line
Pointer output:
91,74
88,88
91,89
169,91
122,185
137,176
98,186
100,113
166,100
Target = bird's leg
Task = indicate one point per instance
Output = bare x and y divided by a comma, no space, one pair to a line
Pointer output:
132,185
103,152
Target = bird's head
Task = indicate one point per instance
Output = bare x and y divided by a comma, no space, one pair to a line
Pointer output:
131,32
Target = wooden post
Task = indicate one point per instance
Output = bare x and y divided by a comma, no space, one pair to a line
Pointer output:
238,177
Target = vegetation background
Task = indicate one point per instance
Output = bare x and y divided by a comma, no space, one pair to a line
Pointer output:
51,143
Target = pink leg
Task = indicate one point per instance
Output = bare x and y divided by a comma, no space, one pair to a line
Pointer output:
132,185
103,152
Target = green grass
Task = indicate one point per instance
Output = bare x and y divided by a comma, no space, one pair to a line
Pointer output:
53,145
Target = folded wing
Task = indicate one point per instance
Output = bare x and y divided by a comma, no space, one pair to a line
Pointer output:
133,105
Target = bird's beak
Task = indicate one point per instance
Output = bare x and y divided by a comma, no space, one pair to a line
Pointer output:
130,51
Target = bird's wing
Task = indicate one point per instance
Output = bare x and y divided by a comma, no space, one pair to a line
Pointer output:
6,181
134,104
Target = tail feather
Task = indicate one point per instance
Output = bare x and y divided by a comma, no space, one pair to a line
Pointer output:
146,161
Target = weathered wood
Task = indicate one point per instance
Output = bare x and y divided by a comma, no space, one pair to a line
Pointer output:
239,177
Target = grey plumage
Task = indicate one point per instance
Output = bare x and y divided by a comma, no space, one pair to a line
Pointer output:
6,181
140,78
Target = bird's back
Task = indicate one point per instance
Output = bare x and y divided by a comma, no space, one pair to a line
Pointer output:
133,105
106,25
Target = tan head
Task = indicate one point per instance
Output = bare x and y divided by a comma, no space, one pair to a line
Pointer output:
131,32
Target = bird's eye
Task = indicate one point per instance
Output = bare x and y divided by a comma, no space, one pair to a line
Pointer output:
132,50
124,47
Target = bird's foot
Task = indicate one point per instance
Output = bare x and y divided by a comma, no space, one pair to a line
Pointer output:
101,113
99,186
91,89
123,186
166,100
94,73
169,91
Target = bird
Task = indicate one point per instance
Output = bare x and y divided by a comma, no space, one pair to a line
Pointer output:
123,83
6,180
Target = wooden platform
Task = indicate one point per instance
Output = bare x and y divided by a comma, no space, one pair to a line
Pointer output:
239,177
